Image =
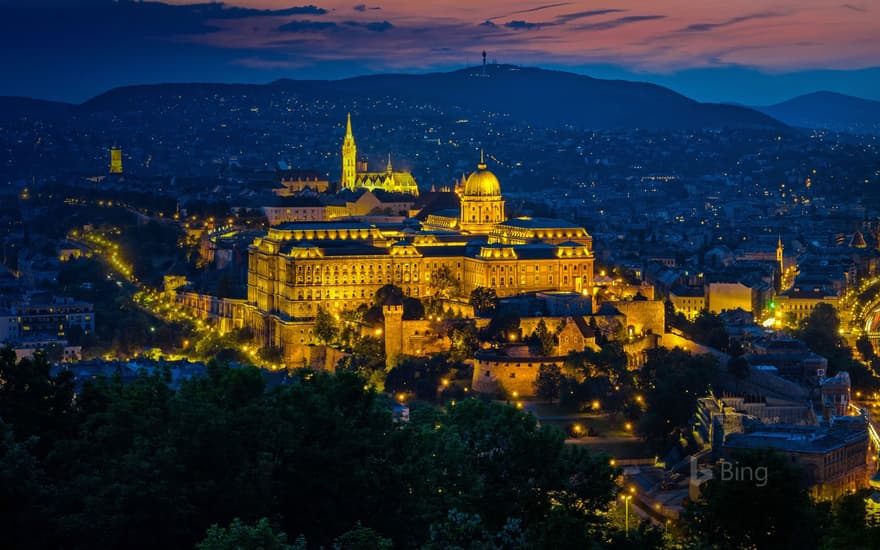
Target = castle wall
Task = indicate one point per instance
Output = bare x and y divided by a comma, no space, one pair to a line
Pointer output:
643,315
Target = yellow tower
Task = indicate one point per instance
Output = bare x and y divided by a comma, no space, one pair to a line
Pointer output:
781,262
115,160
349,157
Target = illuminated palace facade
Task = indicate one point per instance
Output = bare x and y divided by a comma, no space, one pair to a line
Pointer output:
298,266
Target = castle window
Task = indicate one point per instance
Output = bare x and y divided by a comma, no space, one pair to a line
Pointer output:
513,375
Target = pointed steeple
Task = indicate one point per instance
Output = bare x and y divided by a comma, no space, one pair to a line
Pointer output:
482,165
388,168
349,157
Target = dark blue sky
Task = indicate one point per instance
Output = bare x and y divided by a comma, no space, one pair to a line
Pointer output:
72,50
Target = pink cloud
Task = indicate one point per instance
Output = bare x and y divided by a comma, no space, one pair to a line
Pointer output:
640,34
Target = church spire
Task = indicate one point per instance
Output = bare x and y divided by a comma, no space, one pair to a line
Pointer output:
349,157
388,168
482,165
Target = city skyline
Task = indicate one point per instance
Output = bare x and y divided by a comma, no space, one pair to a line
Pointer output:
711,52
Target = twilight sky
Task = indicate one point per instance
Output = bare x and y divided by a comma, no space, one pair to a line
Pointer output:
714,50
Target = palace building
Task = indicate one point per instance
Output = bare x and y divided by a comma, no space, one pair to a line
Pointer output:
356,176
296,267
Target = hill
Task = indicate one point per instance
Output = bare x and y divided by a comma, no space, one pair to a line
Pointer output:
830,111
13,107
538,96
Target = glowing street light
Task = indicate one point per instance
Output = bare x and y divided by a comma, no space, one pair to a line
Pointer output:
626,499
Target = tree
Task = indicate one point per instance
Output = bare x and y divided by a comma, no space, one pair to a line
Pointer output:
460,530
412,309
362,538
821,331
325,326
444,283
673,380
865,348
23,491
544,338
708,329
548,381
768,510
484,300
464,341
503,328
34,402
388,295
240,535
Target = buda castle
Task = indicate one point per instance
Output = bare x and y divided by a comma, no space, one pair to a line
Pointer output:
298,266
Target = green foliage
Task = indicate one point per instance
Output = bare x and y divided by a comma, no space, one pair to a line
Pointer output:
484,300
547,384
142,465
444,283
848,525
260,536
388,295
461,531
673,380
865,348
708,329
151,249
544,338
598,375
35,403
271,354
465,341
362,538
326,328
23,503
413,309
419,375
503,328
745,513
821,331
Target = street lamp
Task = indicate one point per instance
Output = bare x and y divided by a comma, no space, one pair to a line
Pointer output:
626,499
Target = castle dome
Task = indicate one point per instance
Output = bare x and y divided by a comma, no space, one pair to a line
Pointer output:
482,182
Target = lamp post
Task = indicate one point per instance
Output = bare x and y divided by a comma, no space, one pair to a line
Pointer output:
626,499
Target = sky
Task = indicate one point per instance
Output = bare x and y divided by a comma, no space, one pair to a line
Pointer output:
744,51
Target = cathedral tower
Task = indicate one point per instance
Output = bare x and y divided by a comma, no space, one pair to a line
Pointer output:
115,160
349,157
780,260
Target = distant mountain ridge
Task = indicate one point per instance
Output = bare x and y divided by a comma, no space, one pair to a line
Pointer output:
538,96
828,110
14,106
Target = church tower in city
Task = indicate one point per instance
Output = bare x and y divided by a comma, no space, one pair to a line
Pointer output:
356,176
349,157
